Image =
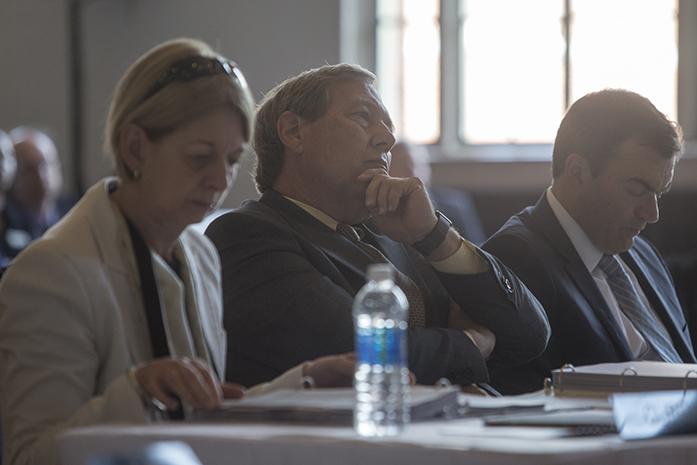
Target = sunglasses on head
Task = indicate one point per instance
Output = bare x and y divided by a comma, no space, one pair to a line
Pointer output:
195,67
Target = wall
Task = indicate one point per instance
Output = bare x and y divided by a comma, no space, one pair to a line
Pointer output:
33,70
269,39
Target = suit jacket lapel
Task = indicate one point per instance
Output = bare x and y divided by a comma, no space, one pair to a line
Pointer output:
343,252
543,221
332,244
417,268
659,303
200,289
110,233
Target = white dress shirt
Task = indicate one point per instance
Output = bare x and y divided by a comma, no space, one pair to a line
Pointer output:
591,255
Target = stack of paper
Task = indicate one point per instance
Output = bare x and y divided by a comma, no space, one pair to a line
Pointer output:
326,406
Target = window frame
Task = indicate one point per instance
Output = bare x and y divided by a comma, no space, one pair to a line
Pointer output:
359,46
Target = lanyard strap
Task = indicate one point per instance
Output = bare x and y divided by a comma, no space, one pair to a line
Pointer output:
151,301
151,298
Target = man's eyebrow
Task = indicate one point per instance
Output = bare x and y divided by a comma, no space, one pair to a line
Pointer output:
201,141
378,109
646,185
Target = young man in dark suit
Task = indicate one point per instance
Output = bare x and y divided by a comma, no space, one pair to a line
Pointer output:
293,261
607,293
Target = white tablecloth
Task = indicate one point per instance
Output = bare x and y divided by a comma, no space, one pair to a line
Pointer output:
453,442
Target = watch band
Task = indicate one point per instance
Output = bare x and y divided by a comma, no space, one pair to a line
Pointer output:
436,237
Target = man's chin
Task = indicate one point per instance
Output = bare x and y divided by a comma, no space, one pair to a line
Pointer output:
356,217
354,212
621,246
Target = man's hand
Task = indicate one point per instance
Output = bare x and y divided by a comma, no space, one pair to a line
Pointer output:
332,370
401,207
484,339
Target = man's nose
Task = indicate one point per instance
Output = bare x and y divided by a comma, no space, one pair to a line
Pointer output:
648,210
384,137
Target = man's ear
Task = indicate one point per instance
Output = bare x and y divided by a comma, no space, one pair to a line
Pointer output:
288,128
577,169
133,144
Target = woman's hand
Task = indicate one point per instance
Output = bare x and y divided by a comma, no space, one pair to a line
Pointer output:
332,370
170,379
233,390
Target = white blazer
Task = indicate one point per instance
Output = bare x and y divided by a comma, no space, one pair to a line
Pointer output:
72,322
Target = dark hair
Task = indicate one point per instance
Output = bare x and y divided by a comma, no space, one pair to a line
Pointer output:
597,123
306,95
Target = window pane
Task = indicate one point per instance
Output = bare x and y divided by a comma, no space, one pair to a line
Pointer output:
388,62
512,71
408,66
626,43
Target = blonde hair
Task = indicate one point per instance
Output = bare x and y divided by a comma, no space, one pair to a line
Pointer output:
175,104
307,95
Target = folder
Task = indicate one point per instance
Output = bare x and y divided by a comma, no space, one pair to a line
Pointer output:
326,406
638,376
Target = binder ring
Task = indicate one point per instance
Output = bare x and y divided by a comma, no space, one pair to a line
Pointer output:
624,372
684,381
548,387
565,368
443,383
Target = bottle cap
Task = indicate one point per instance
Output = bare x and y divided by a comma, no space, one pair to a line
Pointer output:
380,272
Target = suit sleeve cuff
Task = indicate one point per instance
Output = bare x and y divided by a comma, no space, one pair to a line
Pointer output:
465,260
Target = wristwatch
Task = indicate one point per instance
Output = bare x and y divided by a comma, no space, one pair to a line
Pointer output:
436,237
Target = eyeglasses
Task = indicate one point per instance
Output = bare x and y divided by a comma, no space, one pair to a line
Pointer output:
194,67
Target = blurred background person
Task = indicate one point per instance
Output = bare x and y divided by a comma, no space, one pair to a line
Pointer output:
412,160
7,173
35,201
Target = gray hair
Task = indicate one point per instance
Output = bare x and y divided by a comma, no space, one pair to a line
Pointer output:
306,95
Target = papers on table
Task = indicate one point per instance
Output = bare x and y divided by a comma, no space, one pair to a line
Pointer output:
561,417
635,415
330,406
553,417
652,414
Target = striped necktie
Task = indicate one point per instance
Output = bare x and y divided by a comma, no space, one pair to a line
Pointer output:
417,308
641,317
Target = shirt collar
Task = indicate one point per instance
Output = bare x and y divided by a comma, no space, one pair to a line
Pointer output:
317,214
589,253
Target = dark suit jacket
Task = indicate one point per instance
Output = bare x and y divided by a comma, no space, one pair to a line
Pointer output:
683,269
460,208
288,288
535,246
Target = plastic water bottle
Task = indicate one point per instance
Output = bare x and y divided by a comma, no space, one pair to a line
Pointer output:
381,381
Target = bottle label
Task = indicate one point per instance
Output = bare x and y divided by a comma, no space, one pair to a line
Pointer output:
382,346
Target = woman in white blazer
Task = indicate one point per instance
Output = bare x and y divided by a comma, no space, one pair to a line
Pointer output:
118,307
